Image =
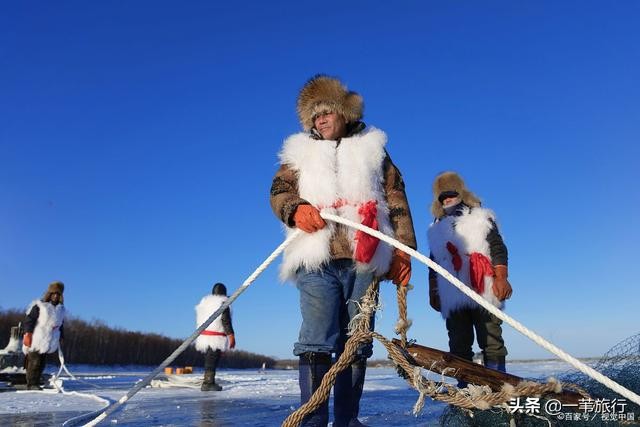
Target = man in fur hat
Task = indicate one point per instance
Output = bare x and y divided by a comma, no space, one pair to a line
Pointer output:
337,166
217,337
464,239
43,329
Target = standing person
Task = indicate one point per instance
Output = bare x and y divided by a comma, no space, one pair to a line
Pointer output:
464,239
43,332
337,166
217,337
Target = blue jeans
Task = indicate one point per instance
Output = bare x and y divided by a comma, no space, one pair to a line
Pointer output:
328,302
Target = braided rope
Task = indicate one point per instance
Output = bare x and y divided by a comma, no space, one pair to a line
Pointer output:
587,370
403,324
360,334
474,397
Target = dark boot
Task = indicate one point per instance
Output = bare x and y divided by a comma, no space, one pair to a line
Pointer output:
211,359
496,363
312,368
347,393
35,366
209,382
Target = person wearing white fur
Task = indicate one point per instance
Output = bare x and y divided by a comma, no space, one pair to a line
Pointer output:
217,337
43,332
464,239
337,166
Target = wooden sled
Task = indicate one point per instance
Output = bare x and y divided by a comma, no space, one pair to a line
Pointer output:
438,361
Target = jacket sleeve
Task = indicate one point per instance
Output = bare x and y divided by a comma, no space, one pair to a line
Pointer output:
399,212
226,322
497,248
32,318
284,196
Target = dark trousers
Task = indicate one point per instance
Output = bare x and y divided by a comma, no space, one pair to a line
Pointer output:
461,325
211,358
35,364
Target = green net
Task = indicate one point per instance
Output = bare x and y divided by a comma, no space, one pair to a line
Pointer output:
606,408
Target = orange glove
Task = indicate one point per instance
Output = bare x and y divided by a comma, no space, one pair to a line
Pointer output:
400,270
27,339
308,219
434,296
501,286
232,340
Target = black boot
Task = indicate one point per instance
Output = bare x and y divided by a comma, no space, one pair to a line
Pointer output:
312,368
496,363
211,359
347,393
209,382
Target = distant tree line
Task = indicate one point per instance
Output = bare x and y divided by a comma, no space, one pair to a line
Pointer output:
95,343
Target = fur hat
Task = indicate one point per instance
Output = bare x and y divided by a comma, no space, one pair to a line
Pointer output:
219,289
451,182
323,94
54,287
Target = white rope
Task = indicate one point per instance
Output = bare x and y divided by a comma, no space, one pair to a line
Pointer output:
141,384
60,389
463,288
63,366
492,309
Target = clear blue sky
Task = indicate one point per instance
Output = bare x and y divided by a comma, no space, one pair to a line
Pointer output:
138,141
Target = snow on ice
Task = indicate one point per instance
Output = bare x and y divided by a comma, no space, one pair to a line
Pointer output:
249,397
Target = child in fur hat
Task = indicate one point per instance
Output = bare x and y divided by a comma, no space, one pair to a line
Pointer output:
44,332
337,166
464,239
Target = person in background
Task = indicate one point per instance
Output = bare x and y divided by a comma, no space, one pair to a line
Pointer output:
340,166
464,239
43,332
217,337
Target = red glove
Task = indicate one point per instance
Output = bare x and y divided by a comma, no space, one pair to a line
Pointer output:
27,339
232,340
308,219
501,286
400,271
434,296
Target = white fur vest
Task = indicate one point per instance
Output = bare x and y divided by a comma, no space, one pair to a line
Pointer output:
46,334
337,179
205,308
468,232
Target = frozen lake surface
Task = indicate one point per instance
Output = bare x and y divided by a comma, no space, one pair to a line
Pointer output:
249,397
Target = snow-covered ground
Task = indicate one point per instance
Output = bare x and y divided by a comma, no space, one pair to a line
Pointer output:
249,397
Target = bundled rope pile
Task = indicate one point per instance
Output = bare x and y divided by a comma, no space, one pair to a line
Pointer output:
473,397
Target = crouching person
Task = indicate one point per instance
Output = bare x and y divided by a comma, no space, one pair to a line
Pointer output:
43,329
217,337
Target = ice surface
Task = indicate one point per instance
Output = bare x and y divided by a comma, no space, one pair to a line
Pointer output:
249,397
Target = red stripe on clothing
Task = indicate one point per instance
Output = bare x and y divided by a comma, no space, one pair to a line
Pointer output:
213,333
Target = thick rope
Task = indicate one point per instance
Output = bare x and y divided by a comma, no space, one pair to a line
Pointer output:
498,313
144,382
359,335
492,309
60,389
403,324
474,397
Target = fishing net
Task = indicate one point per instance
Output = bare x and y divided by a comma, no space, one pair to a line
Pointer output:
606,408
